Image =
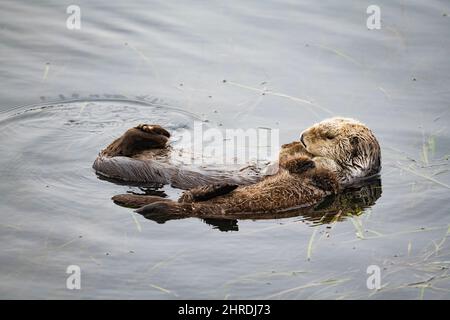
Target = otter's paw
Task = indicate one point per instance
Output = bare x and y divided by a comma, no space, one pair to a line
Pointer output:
153,128
293,145
298,165
138,139
325,180
207,192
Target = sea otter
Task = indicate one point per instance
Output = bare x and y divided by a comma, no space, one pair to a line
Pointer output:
329,156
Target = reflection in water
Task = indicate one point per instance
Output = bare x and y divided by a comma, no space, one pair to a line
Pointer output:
352,201
223,224
148,189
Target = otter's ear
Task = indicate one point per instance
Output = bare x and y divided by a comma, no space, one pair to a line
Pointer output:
354,142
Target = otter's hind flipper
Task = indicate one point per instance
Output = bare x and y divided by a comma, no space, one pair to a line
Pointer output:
207,192
162,211
137,139
134,200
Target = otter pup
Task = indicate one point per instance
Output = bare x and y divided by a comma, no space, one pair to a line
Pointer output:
344,146
330,155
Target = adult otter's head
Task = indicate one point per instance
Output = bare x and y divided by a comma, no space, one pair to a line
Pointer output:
348,142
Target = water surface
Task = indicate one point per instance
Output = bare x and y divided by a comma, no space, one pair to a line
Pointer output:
65,94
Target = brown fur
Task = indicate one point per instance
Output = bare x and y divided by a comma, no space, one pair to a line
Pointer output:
142,155
345,146
138,139
330,155
351,201
275,193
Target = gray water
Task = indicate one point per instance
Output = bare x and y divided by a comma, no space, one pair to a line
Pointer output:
65,94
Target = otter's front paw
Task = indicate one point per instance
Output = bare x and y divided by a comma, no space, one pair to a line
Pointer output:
299,165
153,128
325,180
207,192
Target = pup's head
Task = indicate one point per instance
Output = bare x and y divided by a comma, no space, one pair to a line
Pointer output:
349,143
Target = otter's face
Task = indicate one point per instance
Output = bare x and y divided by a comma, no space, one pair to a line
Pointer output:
346,141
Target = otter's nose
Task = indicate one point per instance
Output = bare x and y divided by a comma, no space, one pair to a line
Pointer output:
302,141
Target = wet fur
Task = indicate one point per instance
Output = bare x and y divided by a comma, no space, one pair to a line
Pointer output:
275,193
141,155
329,156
